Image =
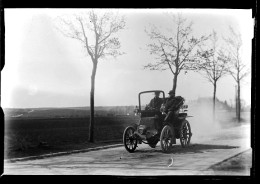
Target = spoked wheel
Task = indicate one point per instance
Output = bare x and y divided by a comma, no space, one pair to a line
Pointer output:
185,133
129,140
166,138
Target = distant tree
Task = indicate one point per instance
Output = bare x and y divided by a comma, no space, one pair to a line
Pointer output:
212,64
243,104
238,70
231,104
227,107
102,30
175,50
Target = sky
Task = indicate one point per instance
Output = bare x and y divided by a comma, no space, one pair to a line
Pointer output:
43,68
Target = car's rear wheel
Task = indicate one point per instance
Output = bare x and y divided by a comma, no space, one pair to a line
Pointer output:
185,133
166,138
129,139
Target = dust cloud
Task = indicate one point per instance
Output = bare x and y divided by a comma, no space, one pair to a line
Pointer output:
203,125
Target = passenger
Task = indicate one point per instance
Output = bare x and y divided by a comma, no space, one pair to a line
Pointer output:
170,101
171,105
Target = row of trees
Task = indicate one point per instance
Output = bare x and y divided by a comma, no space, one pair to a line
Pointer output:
177,50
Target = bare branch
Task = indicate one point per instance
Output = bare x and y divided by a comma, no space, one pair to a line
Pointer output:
177,51
90,52
244,75
104,26
234,43
166,59
213,61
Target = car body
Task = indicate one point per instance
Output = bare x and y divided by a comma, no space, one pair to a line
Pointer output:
158,125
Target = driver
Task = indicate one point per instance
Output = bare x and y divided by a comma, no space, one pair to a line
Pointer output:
156,102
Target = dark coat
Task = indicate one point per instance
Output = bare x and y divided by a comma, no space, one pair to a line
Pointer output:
156,103
172,103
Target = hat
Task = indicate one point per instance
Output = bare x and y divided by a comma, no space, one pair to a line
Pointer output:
157,92
171,92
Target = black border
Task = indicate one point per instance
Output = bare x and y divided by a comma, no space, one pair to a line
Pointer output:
2,59
251,4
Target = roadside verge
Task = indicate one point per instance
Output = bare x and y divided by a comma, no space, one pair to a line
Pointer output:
62,153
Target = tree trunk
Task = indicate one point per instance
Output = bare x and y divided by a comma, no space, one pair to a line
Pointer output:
214,99
92,110
175,82
238,102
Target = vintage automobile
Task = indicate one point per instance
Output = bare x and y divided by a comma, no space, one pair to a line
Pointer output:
157,125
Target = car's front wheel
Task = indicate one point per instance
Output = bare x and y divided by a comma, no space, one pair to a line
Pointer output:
166,138
129,140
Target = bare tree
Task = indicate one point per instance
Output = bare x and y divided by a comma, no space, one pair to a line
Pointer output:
174,51
101,29
212,64
238,70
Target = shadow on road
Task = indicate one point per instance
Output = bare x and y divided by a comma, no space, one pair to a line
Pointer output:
199,148
193,148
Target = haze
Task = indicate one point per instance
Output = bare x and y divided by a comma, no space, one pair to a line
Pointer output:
45,69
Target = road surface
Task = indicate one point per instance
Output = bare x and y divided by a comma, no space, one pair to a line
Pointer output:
145,161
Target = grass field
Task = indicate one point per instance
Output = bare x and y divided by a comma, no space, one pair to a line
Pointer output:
39,133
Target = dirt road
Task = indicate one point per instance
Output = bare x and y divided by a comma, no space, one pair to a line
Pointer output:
194,160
